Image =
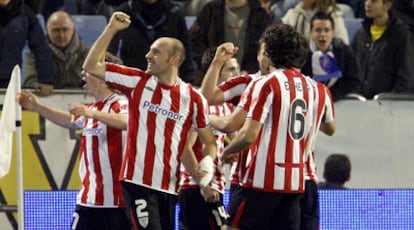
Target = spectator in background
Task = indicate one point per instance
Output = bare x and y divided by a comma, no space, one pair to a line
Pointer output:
336,172
67,50
18,25
99,7
357,7
282,6
384,48
272,9
330,61
47,7
240,21
191,7
33,4
300,17
150,20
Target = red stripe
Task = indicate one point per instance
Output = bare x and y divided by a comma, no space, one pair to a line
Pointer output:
150,151
133,218
273,138
85,180
168,135
97,161
303,140
289,140
184,132
239,213
97,166
133,119
114,145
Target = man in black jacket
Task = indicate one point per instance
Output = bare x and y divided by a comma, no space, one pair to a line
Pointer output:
18,25
241,22
385,50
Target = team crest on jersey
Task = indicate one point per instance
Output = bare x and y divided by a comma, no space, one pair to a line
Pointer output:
143,221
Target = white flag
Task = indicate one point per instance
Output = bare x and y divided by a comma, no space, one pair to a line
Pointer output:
8,121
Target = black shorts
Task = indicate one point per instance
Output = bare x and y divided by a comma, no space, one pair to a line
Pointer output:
235,200
197,214
266,210
309,207
149,208
99,218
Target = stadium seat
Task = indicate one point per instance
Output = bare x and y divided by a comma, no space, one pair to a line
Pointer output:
89,27
352,25
346,10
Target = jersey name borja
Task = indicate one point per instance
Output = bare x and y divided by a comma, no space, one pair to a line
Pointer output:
101,154
280,102
159,119
323,112
217,183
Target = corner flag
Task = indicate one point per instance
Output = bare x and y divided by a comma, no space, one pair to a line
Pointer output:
8,120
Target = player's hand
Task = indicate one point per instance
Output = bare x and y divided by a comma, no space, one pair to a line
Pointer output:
119,21
80,109
27,100
229,158
206,165
224,52
210,195
44,89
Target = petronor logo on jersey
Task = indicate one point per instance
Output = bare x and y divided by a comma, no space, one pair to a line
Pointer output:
164,112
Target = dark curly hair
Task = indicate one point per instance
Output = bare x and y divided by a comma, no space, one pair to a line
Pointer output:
285,46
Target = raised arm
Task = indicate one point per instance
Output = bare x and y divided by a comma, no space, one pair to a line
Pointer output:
30,102
95,60
117,121
209,88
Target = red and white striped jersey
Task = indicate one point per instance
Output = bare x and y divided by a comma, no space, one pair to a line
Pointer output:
101,153
217,183
323,112
232,90
280,101
159,120
234,87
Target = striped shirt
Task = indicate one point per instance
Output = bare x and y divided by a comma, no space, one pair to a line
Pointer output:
159,119
218,180
101,156
232,91
280,102
323,112
234,87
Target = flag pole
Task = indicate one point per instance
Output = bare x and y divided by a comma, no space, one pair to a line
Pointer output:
20,201
19,158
